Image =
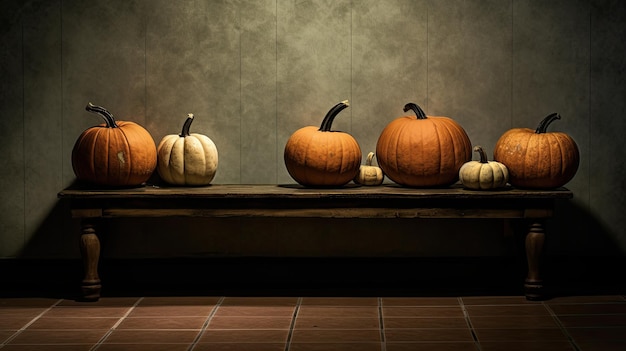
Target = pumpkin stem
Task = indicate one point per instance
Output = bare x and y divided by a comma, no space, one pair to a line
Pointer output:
418,110
187,125
330,116
370,157
482,153
543,125
106,115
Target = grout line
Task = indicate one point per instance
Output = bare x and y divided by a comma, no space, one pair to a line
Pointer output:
241,151
351,64
206,323
25,326
511,76
62,96
145,68
469,323
561,326
276,148
24,142
114,327
381,321
590,112
427,56
293,323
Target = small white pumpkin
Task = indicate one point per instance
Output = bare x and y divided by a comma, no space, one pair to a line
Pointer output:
187,159
483,174
368,174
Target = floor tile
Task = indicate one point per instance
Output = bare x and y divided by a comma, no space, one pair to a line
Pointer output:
335,336
162,323
337,323
239,346
259,301
14,323
171,311
151,336
143,347
527,346
339,301
75,323
47,347
576,321
589,308
424,322
265,311
602,345
336,346
263,323
520,334
102,302
179,301
21,312
420,301
426,346
507,310
327,311
586,299
594,334
428,334
27,302
29,337
249,322
498,300
250,336
444,311
505,322
5,334
83,311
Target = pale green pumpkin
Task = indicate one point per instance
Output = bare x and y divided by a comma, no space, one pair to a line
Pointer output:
483,174
187,158
369,174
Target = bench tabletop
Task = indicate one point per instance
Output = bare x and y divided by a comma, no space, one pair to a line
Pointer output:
295,191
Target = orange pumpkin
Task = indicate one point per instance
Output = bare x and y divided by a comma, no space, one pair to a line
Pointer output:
425,151
321,157
116,153
537,158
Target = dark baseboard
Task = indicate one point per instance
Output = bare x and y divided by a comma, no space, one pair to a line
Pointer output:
287,276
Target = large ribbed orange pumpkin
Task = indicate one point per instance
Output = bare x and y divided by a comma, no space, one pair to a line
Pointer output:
321,157
423,151
537,158
116,153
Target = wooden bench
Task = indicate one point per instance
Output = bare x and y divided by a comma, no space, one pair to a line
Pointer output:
281,201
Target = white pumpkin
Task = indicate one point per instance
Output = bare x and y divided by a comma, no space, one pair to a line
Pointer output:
187,159
483,174
368,174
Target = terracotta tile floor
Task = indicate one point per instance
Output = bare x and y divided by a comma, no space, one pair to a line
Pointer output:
510,323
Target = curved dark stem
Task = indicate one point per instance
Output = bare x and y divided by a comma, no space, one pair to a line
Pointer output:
418,110
482,153
543,125
187,125
106,115
330,116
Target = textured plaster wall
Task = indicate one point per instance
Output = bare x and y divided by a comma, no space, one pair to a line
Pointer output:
255,71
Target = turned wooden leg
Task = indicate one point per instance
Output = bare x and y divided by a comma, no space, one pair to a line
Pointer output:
534,247
90,250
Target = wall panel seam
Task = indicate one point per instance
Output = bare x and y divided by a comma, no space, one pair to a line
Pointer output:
24,194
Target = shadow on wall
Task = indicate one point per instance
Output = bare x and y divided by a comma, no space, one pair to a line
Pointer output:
574,231
287,256
55,238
